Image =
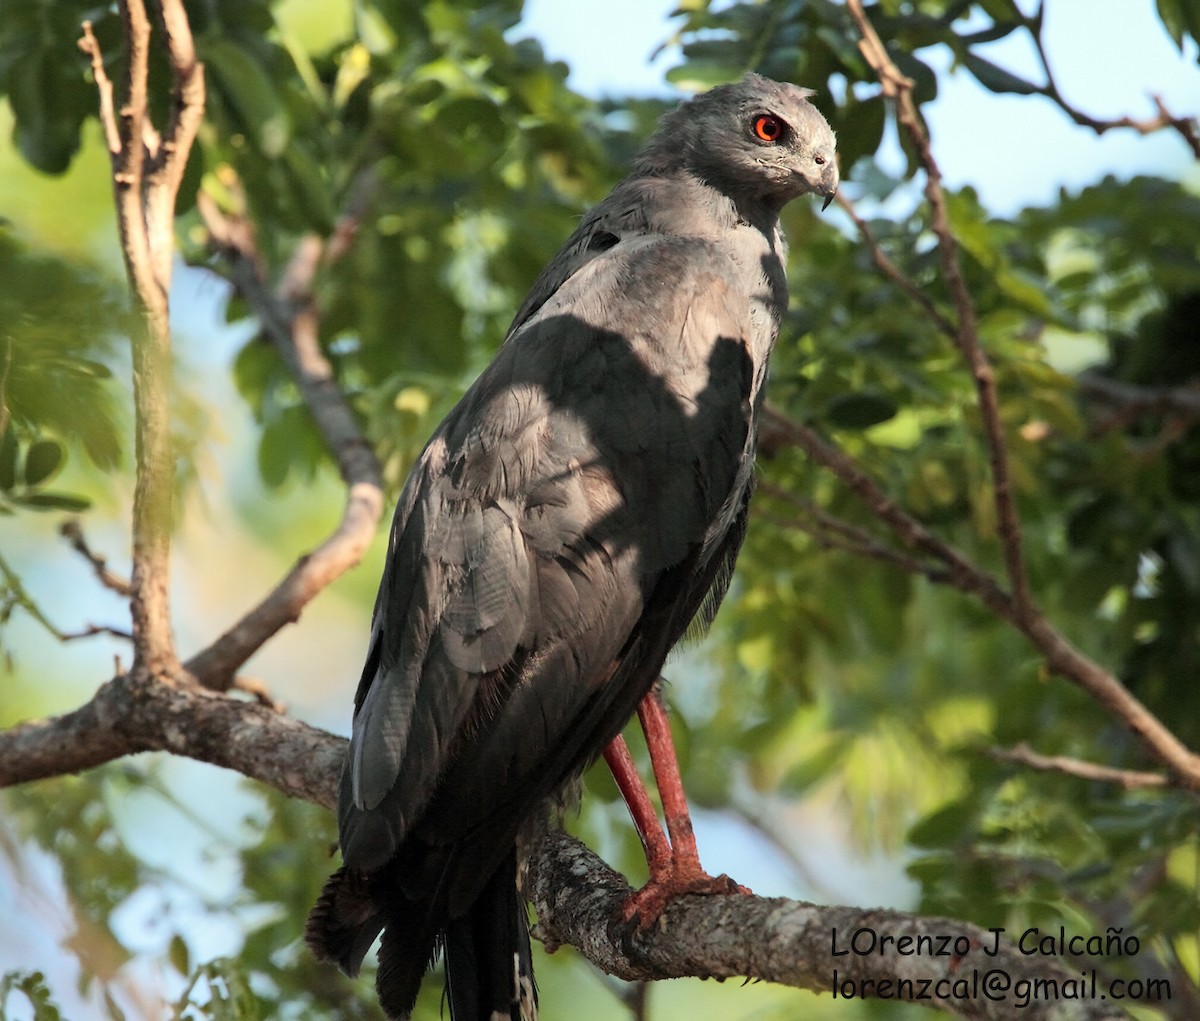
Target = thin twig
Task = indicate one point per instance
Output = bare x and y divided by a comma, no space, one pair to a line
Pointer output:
96,629
833,532
966,333
73,533
1061,656
258,690
17,595
1188,128
892,271
964,575
108,117
1130,779
1142,400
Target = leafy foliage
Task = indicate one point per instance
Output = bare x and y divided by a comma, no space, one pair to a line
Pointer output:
55,375
32,986
462,159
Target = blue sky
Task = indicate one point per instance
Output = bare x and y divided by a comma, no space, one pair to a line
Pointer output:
1016,152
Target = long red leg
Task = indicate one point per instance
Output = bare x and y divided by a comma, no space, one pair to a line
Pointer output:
641,809
657,728
675,868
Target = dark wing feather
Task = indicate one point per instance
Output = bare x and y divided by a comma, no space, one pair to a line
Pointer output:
558,533
593,455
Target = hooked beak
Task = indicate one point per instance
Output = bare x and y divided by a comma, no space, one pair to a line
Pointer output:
830,182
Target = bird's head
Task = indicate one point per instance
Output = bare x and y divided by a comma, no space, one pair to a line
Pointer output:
757,138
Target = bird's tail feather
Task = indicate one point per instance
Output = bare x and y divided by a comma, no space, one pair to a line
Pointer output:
352,910
406,953
345,920
489,963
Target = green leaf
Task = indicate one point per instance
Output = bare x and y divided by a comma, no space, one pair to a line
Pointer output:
250,95
925,83
53,501
697,75
311,186
995,78
860,410
44,458
9,452
47,130
860,131
1171,14
274,455
179,955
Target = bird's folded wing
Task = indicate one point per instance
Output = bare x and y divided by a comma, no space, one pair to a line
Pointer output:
592,457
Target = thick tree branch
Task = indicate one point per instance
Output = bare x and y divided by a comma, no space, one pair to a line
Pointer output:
578,898
146,171
132,714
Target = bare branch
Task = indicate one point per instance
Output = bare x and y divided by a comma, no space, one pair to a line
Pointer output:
1061,656
108,115
132,714
893,272
153,490
966,333
579,899
92,630
1188,128
834,533
289,320
16,595
169,162
1130,779
1134,400
258,690
1017,608
72,531
146,172
964,575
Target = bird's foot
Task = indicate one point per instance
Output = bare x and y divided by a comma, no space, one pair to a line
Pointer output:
643,908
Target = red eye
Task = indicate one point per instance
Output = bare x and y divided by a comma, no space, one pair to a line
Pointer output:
768,128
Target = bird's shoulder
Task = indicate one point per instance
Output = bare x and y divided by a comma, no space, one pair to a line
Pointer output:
640,215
